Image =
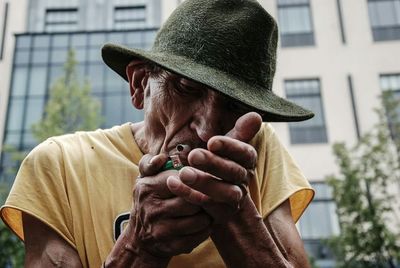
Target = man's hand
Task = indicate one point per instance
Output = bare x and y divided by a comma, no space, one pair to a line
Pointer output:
165,225
217,177
161,224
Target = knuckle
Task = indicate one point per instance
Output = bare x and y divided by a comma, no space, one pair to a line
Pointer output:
250,174
239,174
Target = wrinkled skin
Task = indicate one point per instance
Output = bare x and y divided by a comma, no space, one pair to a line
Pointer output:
220,167
173,211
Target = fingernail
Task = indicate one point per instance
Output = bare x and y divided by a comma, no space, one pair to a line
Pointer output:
188,176
199,158
173,183
216,145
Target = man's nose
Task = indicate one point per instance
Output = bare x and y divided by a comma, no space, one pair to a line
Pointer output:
207,121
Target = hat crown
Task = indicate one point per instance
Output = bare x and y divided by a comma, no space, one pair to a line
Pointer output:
237,37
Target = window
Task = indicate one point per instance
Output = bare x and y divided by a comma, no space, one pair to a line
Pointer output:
61,20
295,23
38,63
391,82
385,19
319,222
307,94
129,17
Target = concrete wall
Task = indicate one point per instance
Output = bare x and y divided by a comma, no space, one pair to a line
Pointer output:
15,24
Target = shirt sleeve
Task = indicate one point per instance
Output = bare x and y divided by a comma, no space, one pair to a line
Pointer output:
40,190
279,177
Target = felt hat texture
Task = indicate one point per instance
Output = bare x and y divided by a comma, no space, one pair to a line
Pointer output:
227,45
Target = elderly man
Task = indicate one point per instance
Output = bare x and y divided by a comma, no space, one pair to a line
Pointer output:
201,182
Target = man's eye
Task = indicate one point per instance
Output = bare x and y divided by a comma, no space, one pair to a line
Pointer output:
237,107
187,91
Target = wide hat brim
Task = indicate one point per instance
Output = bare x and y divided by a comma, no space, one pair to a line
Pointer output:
263,100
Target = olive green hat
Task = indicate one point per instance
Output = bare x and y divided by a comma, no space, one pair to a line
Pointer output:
227,45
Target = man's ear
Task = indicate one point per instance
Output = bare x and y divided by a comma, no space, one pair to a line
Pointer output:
137,77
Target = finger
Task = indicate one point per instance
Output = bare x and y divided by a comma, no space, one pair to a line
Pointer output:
178,207
246,127
151,164
217,190
179,245
167,228
223,168
155,186
180,189
237,151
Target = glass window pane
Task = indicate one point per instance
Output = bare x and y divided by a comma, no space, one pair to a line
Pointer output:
317,222
134,39
60,40
14,118
80,71
112,109
22,57
114,83
19,81
97,39
322,191
95,77
306,93
37,83
115,38
56,72
94,55
40,57
130,113
78,40
148,39
23,41
295,20
12,138
41,41
59,56
34,111
80,55
28,141
384,13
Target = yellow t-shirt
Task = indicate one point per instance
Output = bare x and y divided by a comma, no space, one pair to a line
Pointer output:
81,186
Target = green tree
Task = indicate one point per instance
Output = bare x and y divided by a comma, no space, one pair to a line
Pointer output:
363,191
70,106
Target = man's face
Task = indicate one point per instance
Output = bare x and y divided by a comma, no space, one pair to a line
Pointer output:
181,111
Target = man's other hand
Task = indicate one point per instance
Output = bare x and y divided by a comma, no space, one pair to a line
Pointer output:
217,177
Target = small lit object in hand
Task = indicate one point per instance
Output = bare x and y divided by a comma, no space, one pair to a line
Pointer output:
174,161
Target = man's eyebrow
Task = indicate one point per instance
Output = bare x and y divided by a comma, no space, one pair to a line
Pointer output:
190,83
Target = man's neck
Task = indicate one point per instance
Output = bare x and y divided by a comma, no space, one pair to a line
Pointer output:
139,136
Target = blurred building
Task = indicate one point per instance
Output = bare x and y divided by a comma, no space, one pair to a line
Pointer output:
12,21
335,58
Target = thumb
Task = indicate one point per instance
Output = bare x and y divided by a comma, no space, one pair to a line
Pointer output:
246,127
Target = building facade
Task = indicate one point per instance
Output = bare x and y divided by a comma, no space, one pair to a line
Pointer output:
335,57
12,21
